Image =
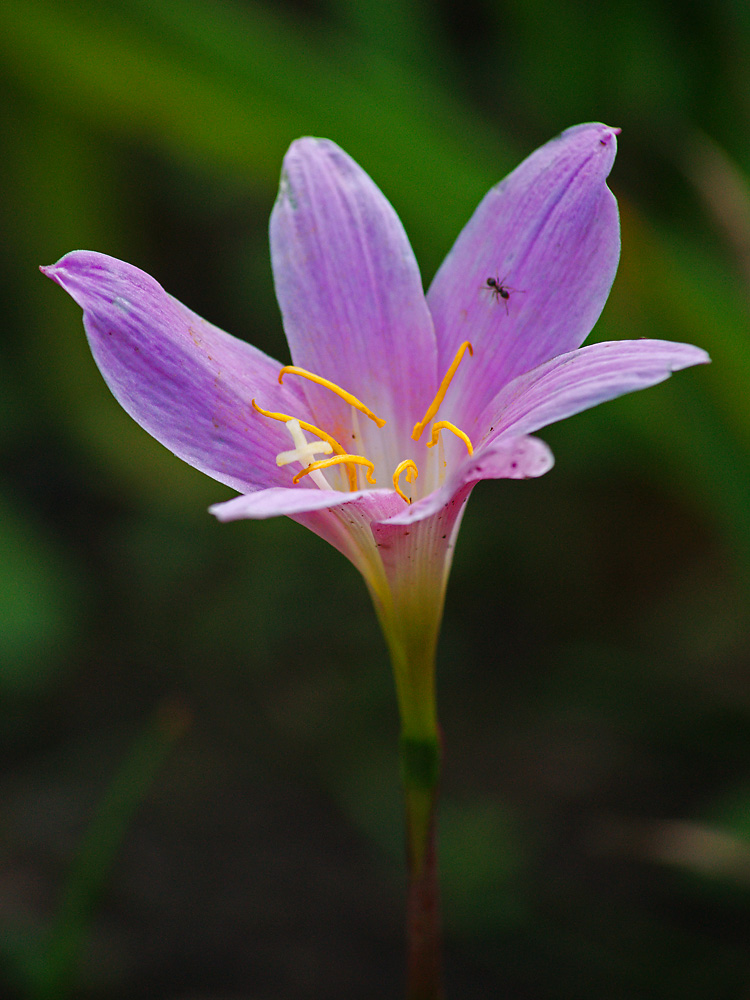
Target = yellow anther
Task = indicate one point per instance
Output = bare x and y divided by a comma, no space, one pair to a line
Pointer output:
285,418
411,474
448,426
440,394
346,396
337,460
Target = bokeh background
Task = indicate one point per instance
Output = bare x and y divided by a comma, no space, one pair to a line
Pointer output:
198,776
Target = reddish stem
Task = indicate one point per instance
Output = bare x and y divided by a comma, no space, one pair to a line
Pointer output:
423,919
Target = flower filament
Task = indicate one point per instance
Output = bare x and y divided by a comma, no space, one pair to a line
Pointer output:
443,388
411,474
305,451
346,396
448,426
336,460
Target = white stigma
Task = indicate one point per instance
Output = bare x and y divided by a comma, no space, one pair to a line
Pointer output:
304,452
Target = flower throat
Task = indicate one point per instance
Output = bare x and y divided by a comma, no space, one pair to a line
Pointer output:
304,451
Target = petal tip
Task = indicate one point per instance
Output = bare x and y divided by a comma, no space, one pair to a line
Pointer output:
78,262
590,136
310,146
54,271
698,357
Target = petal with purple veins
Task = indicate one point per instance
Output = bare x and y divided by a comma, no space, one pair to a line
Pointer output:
277,500
510,458
186,382
581,379
349,289
342,519
549,234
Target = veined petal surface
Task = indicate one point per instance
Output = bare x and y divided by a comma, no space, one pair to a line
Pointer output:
509,458
350,291
581,379
186,382
550,234
278,500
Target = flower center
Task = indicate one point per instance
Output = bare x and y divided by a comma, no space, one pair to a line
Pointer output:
305,451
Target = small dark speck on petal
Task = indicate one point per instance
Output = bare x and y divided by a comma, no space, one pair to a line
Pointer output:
514,465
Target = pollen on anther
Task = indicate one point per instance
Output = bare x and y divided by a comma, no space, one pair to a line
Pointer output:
411,474
448,426
348,397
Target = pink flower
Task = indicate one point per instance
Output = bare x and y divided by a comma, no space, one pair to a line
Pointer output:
399,402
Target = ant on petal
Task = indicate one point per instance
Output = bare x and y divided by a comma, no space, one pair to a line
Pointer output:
500,290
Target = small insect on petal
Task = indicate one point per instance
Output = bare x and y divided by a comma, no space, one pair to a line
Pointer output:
500,290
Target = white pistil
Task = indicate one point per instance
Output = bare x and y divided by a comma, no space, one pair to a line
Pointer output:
356,439
304,452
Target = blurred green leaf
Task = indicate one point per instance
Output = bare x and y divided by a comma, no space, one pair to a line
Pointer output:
231,87
49,966
40,603
483,858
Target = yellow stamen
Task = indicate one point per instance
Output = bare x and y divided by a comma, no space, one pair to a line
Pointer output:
346,396
351,474
337,460
448,426
440,394
411,474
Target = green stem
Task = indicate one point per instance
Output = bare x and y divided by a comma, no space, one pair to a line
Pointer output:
409,605
420,774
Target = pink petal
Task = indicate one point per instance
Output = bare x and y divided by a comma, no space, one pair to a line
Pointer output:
509,458
582,379
416,559
550,233
415,549
276,501
350,291
348,527
342,519
186,382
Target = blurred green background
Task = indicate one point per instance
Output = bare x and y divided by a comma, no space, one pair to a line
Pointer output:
199,790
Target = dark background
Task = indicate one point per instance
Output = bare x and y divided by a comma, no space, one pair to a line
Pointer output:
199,791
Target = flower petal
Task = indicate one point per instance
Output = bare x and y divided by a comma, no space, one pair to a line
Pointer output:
348,527
350,291
342,519
416,560
509,458
277,500
583,378
186,382
550,234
